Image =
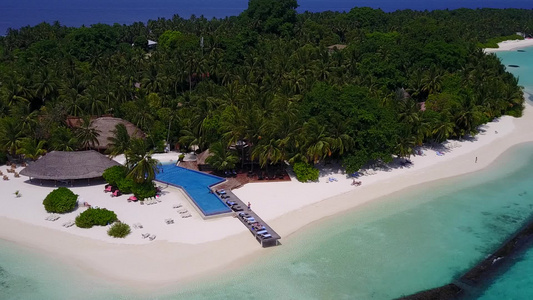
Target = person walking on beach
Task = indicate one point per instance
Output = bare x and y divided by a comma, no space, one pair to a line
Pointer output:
249,206
476,159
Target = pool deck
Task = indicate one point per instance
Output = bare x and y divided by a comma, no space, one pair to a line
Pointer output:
273,241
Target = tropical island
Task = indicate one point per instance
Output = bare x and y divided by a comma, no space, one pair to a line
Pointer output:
328,97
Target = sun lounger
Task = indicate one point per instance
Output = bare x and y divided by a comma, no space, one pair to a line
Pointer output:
266,236
69,224
152,237
186,216
231,203
177,205
145,235
116,193
169,221
237,208
52,217
183,211
264,231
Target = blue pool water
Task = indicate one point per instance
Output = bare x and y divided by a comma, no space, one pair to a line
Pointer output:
196,184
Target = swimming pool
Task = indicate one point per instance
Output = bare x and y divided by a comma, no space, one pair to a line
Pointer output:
197,186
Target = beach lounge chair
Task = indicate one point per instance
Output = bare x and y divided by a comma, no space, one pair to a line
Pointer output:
132,198
186,216
152,237
177,205
5,177
266,236
52,217
261,232
116,193
145,235
231,203
68,224
183,211
108,188
237,208
169,221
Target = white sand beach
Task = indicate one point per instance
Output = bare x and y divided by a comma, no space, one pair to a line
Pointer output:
511,45
195,247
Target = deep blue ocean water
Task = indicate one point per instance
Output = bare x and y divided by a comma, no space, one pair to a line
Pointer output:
19,13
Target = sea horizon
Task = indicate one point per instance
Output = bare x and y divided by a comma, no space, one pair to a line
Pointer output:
16,14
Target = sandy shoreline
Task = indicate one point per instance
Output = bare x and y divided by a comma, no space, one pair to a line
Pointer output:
193,247
511,45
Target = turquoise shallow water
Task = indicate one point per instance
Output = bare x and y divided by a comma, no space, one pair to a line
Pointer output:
417,239
525,62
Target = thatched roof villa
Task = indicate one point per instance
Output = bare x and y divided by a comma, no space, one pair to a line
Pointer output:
105,127
69,165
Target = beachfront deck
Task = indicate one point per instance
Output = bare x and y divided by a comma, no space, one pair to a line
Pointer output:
273,241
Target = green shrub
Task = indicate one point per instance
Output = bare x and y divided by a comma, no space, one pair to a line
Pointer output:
95,217
60,200
125,185
119,230
144,190
305,172
115,174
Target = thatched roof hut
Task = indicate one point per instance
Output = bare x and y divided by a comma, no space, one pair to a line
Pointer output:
336,47
200,158
69,165
106,126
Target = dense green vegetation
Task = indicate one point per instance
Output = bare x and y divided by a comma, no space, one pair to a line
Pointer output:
119,230
120,176
95,217
265,77
60,200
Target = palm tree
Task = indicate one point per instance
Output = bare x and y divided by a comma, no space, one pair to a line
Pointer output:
62,139
87,136
46,85
269,153
142,167
120,141
10,135
32,148
221,157
316,142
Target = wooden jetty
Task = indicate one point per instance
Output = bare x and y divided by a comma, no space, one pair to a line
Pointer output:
245,216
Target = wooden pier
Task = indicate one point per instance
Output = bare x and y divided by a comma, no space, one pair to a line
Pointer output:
274,238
